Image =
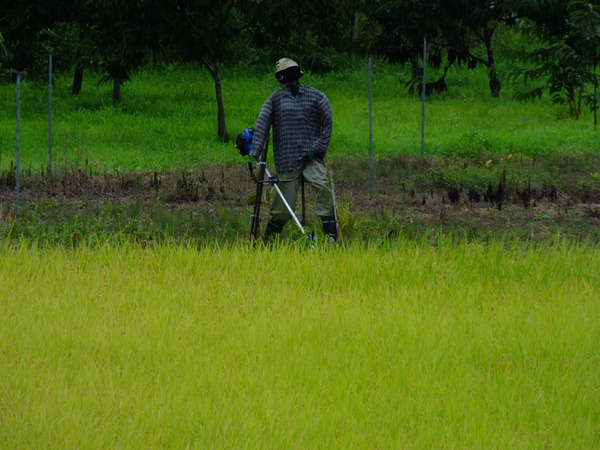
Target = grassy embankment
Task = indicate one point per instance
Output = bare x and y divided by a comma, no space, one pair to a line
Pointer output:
168,120
471,346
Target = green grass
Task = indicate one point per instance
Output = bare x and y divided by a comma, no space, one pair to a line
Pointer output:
416,346
167,119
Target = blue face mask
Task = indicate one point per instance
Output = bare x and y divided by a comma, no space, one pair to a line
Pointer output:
289,75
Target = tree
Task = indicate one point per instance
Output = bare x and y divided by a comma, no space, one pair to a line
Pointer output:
567,36
2,47
35,28
405,24
210,32
478,19
321,35
20,25
454,29
585,20
353,13
123,33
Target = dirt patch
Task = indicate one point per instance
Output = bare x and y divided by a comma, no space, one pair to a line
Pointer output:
408,196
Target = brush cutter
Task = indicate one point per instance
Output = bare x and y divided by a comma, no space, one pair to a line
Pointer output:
263,178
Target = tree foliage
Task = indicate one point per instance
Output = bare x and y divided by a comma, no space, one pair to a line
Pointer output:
123,34
568,37
2,47
210,32
322,35
117,38
584,18
453,29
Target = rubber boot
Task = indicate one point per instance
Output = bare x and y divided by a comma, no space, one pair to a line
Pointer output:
272,230
330,229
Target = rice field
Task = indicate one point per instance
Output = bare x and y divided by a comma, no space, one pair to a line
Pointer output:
408,346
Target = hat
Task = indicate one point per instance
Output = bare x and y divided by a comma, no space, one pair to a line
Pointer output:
285,63
287,70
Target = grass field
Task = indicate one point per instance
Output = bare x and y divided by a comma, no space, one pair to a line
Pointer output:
167,119
413,346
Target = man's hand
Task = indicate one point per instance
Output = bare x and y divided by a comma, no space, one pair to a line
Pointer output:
243,141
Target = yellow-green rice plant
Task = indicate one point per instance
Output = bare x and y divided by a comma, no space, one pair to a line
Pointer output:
415,346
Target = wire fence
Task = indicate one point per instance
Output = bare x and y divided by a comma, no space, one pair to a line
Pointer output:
21,75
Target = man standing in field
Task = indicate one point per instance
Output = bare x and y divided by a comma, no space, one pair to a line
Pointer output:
302,122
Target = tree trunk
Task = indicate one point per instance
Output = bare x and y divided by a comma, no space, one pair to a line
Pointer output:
116,92
572,99
495,85
354,39
595,95
417,70
77,80
78,75
222,128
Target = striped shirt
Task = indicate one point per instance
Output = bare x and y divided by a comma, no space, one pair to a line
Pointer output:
300,123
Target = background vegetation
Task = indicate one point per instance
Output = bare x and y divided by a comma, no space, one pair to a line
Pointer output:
166,121
552,45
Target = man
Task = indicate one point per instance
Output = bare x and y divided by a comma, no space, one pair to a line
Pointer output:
302,122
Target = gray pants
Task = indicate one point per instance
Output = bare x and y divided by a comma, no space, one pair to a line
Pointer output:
315,174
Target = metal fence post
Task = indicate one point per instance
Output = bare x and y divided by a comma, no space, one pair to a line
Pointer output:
370,132
50,112
18,174
423,88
